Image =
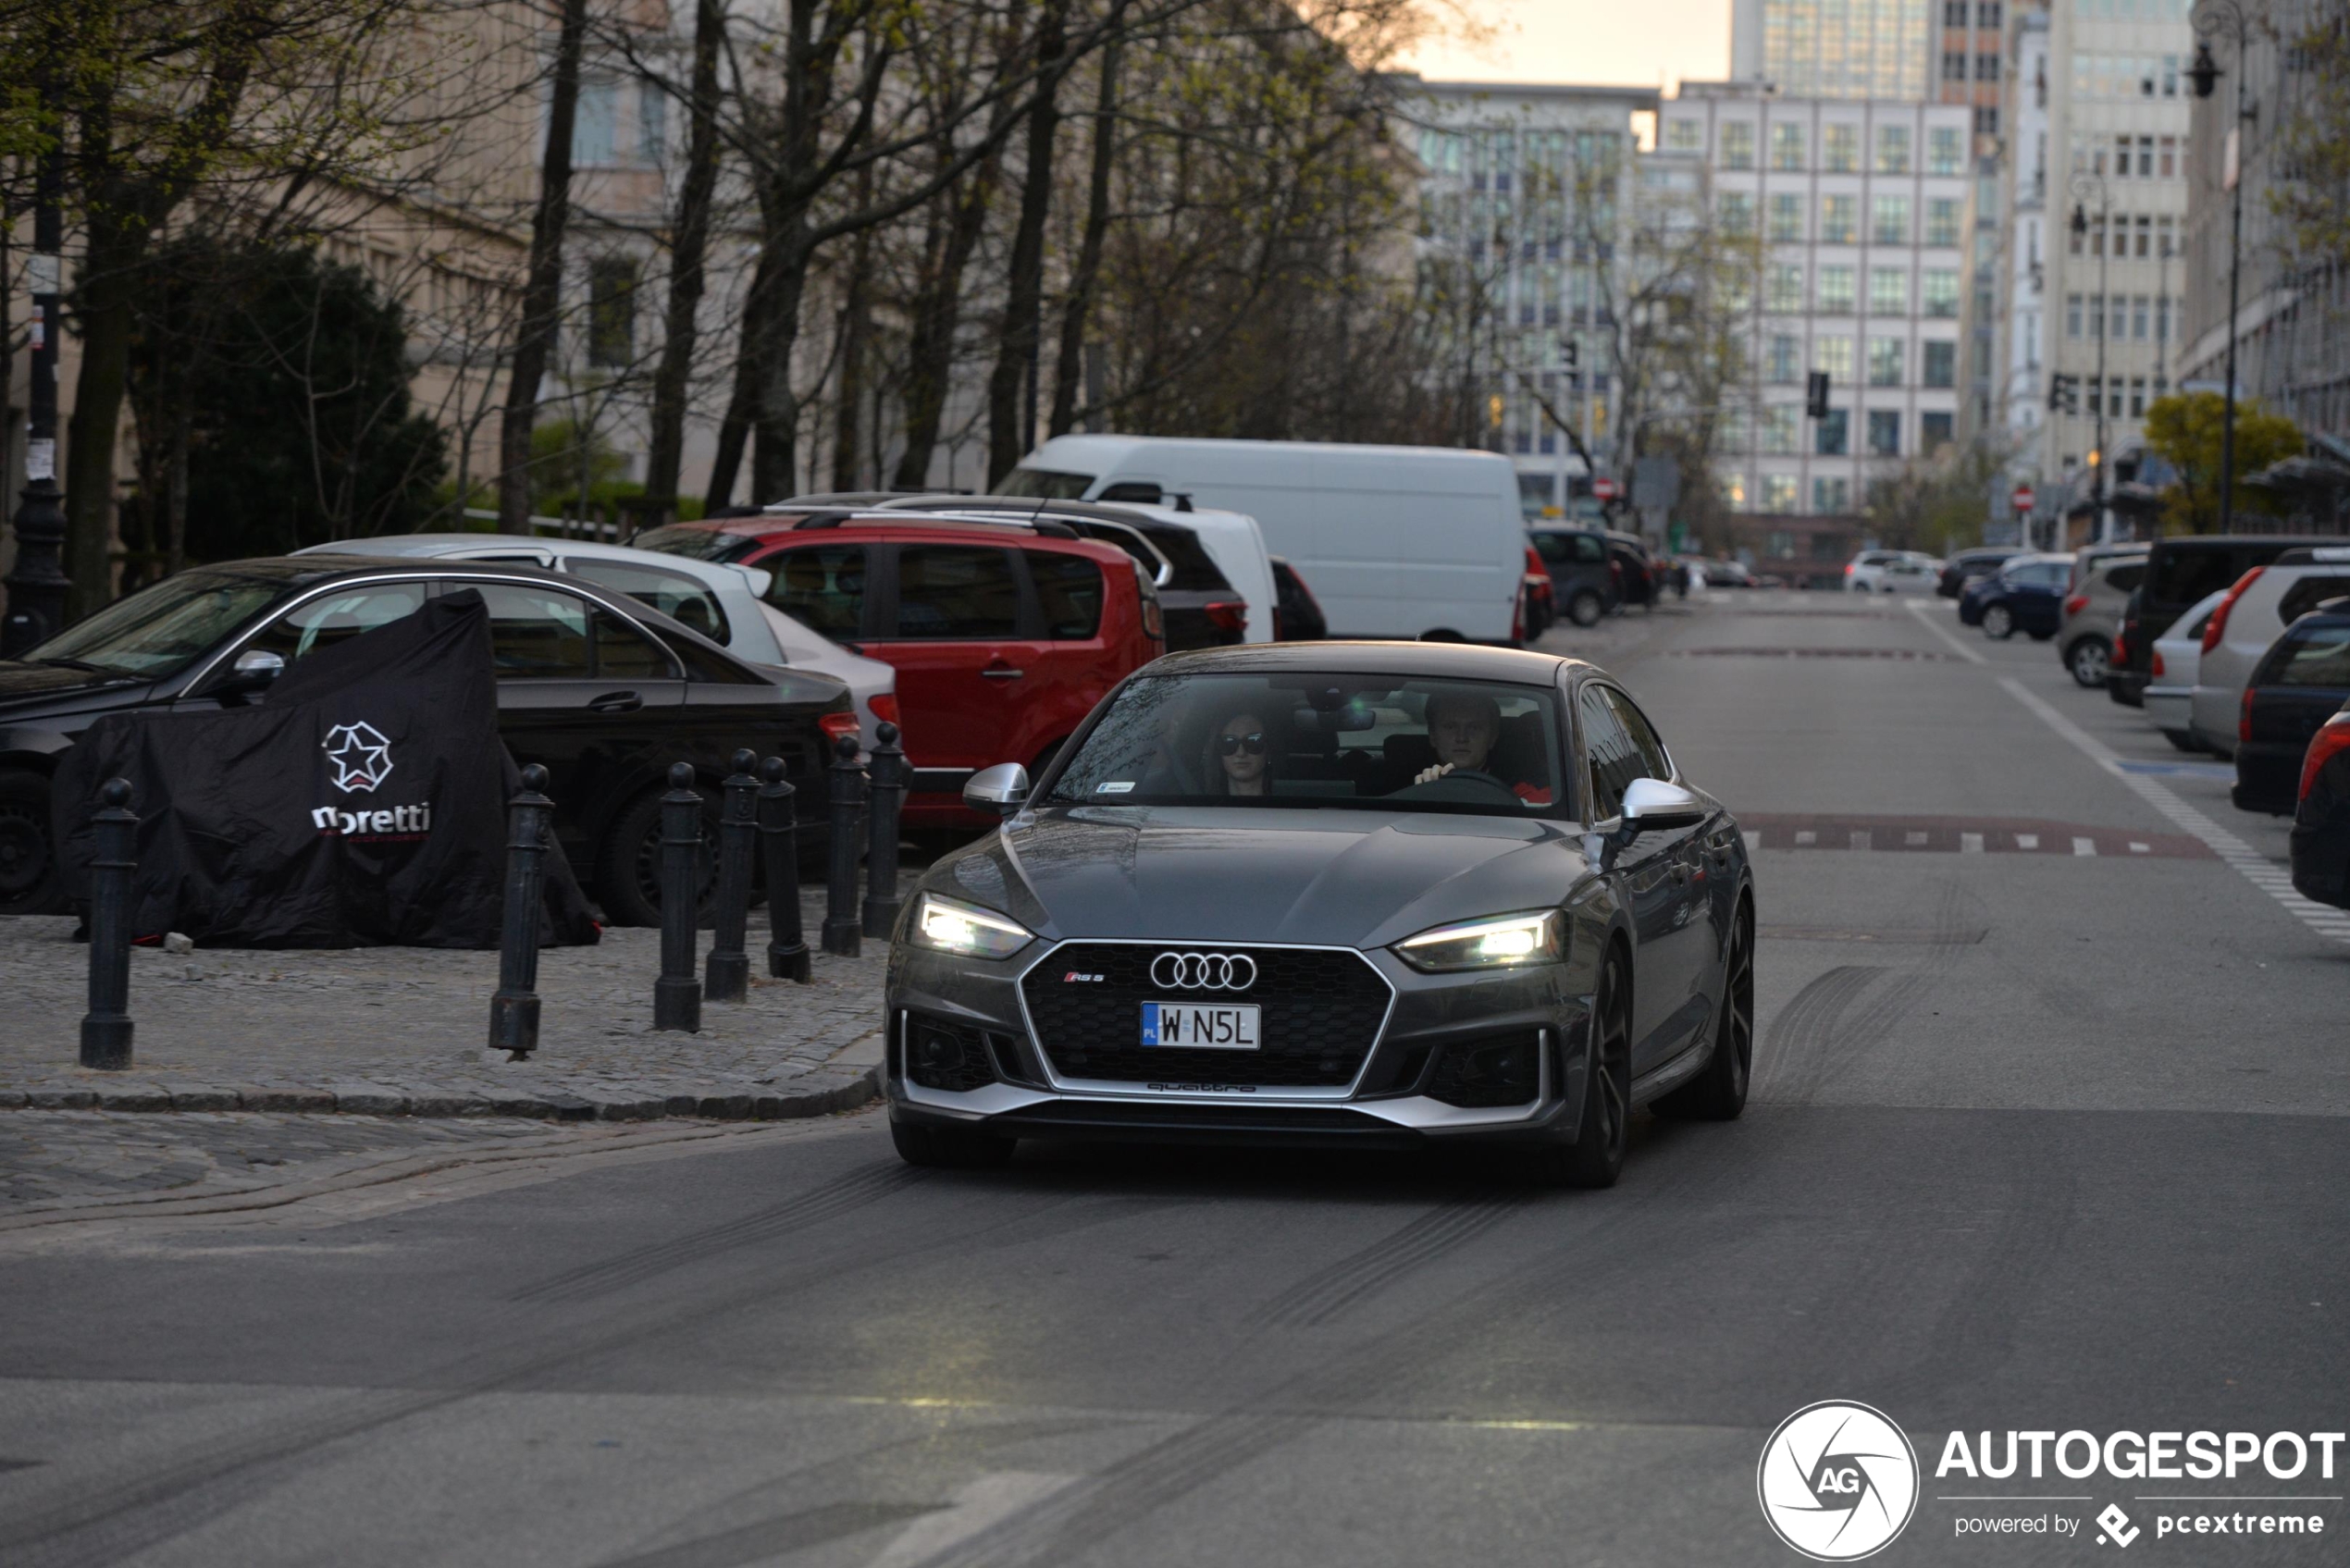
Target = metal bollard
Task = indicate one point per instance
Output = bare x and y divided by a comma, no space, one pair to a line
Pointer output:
677,993
778,834
840,890
105,1028
888,793
513,1011
726,976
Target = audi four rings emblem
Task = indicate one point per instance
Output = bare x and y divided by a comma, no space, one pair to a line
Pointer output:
1204,971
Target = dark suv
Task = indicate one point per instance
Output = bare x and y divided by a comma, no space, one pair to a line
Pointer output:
1584,584
604,691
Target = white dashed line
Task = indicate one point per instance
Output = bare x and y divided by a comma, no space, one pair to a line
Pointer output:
1805,835
1754,841
2253,866
1914,838
2137,849
1861,839
2084,847
2027,841
1969,844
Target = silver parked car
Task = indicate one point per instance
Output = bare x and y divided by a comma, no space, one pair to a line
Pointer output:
2256,611
2103,577
724,603
2169,693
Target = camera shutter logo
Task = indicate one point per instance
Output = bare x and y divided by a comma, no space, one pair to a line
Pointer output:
360,756
1204,971
1838,1481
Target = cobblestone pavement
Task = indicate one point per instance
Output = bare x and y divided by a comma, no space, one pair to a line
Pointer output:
401,1030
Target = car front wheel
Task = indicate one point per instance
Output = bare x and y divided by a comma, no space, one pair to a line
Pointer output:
28,883
1596,1157
1998,622
1585,608
2088,659
628,868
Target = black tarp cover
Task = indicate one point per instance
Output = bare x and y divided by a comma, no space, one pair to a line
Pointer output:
362,804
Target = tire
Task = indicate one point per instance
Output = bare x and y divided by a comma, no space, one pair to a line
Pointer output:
1442,634
1998,622
2089,659
2043,637
1596,1157
1718,1092
629,865
29,880
951,1148
1585,608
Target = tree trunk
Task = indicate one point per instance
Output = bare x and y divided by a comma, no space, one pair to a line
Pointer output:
937,315
775,330
1024,286
687,245
855,333
106,313
1070,369
542,289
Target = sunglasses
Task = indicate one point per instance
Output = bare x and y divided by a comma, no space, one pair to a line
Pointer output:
1232,746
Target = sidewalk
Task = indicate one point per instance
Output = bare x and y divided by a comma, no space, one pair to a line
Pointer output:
401,1031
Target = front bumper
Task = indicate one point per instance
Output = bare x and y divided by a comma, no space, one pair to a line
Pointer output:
1430,1013
2170,708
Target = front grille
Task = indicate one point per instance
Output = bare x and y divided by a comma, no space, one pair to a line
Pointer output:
1319,1014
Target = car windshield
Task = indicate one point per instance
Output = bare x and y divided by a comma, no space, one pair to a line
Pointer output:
1400,742
699,544
1043,484
159,631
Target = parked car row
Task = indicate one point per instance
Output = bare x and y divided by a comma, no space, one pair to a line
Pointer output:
2239,645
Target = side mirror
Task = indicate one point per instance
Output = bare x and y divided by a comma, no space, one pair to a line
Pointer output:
999,791
254,668
1654,803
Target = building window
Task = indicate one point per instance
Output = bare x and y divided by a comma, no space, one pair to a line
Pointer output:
1986,120
2120,315
1888,291
1839,219
1889,220
1836,290
1738,213
1778,429
2137,397
1953,65
1938,291
1885,432
1885,361
1778,495
2141,310
1941,365
1731,487
1683,134
1954,13
1893,149
595,127
1831,497
1942,221
2166,164
2145,229
1843,149
1783,291
1833,353
1934,433
1943,150
1783,364
1986,67
611,311
1738,144
1787,218
1986,15
2169,76
1786,146
2162,318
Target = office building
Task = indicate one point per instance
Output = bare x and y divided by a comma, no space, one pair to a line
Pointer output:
1868,49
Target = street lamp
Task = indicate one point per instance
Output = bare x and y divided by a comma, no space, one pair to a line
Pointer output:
2211,18
2084,187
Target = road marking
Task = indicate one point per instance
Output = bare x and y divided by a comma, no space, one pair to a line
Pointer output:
1807,837
2255,867
1914,838
2084,847
2027,841
1917,608
1920,835
1753,840
1860,839
2136,847
986,1501
1969,844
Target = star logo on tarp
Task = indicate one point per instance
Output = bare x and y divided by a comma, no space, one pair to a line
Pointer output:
361,756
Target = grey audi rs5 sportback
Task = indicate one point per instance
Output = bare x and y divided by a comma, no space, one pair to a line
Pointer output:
1374,893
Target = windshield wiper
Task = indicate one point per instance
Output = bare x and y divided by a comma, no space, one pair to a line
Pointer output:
79,664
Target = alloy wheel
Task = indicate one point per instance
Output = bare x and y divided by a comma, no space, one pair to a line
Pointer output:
2089,662
1612,1061
1998,621
1737,1017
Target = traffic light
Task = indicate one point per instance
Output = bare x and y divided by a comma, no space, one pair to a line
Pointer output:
1569,356
1493,411
1815,397
2064,394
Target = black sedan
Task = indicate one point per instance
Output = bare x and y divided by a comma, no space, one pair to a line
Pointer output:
2299,684
602,690
1382,894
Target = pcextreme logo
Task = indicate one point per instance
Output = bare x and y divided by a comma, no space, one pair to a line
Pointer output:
1838,1481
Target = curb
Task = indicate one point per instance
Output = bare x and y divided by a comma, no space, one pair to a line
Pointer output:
836,1093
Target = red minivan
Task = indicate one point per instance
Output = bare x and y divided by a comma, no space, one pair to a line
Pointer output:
1004,635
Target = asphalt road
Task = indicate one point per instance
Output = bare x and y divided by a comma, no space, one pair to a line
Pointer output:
2043,1139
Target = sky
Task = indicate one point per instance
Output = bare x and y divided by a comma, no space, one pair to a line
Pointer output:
1634,42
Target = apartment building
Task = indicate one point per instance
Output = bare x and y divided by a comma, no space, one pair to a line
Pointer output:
1866,49
1524,194
2021,380
1865,211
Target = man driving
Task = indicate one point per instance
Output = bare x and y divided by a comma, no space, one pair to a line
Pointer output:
1463,727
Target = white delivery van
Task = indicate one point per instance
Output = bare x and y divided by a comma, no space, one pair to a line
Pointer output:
1394,541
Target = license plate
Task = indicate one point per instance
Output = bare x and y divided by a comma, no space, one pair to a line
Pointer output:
1197,1026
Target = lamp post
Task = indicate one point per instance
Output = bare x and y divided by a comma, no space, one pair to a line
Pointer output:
2212,18
2084,187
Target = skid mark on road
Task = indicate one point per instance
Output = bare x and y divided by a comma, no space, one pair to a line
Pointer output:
1323,1295
1805,1029
828,1202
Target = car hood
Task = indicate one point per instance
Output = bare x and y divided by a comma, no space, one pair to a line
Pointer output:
1358,879
44,687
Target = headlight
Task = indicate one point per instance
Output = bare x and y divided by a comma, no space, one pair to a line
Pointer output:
1500,943
967,929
